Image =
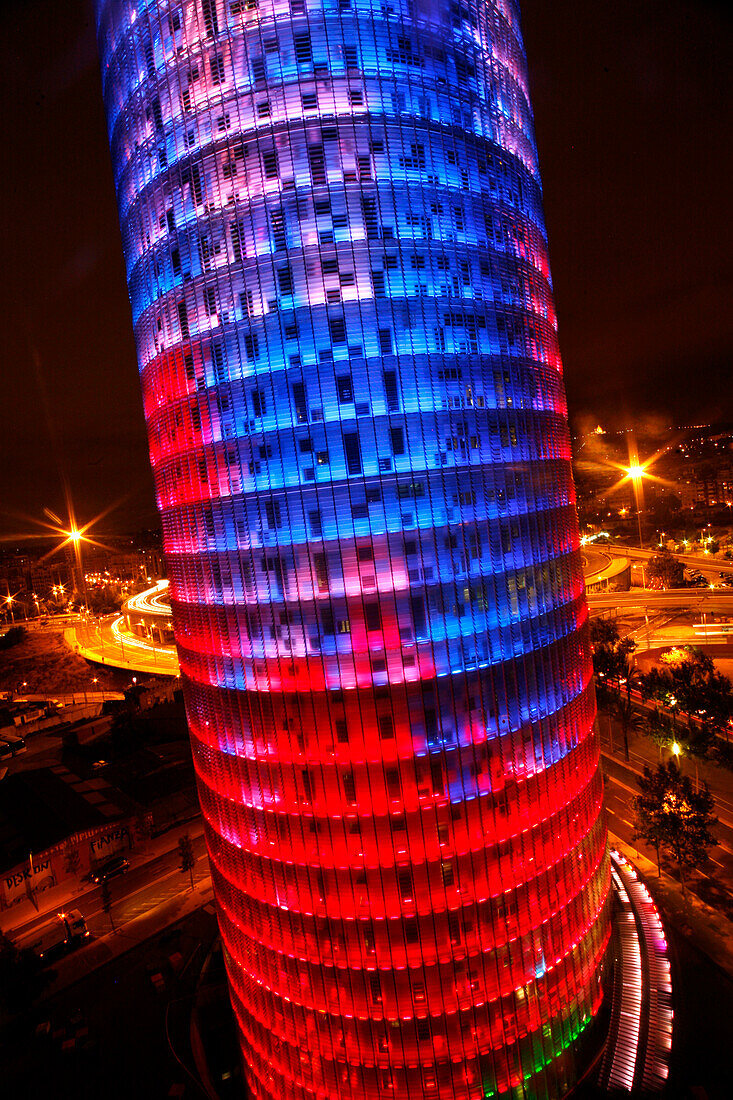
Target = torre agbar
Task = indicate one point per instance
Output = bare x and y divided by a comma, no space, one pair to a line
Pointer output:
332,222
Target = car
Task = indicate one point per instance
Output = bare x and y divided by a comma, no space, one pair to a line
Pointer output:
111,869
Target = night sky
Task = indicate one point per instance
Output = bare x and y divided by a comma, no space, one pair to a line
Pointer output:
633,114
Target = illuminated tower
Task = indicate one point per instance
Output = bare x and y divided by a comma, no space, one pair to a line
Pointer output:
331,217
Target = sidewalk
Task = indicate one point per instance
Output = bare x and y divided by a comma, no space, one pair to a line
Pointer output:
70,894
707,928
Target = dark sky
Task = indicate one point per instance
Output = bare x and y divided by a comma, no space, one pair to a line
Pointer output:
633,114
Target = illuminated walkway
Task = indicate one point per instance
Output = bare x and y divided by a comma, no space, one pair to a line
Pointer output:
640,1035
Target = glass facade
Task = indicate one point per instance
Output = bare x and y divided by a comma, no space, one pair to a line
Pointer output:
337,263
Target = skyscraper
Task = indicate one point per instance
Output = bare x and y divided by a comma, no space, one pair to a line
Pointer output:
331,218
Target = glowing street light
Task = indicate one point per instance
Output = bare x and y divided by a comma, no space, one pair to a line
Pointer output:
637,473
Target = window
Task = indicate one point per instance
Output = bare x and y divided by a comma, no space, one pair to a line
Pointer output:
337,330
210,300
436,775
252,349
216,63
299,401
418,615
375,987
259,402
385,341
342,732
285,279
404,883
315,524
391,392
303,50
317,162
397,437
349,788
273,514
345,389
219,363
372,615
269,163
183,320
309,101
211,19
259,75
454,927
352,452
320,566
394,787
386,727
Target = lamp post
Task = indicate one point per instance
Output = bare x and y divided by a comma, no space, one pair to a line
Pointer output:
76,538
636,473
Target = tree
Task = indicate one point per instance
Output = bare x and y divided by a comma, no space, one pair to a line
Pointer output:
673,817
107,903
661,730
611,652
187,857
667,568
691,685
629,718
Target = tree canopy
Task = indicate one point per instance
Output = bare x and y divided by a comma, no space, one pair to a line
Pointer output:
667,568
673,817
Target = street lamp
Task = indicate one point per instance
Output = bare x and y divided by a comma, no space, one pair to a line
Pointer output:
637,474
76,537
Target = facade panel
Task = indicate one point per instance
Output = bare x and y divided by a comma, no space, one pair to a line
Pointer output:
332,223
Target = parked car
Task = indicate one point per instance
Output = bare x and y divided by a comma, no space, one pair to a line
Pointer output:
111,869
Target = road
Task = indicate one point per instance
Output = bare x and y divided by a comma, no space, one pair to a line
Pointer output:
697,561
704,599
104,642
